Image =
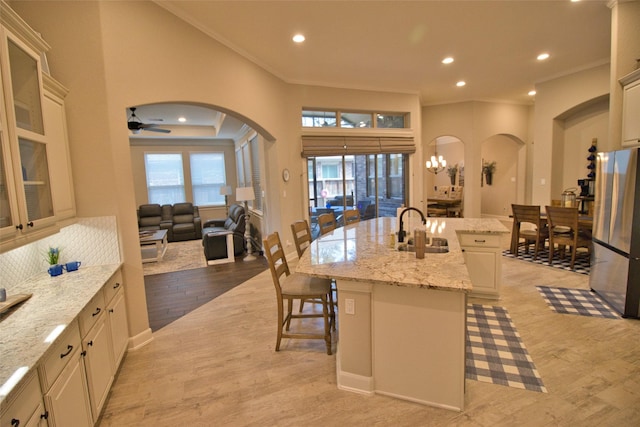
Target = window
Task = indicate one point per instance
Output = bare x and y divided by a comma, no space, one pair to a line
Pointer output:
207,176
353,119
165,178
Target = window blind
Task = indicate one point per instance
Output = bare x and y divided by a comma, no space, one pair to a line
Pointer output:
342,145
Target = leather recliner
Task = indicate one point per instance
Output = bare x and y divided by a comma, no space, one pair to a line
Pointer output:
214,234
186,223
153,217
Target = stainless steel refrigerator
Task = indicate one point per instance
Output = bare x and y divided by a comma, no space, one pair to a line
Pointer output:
615,266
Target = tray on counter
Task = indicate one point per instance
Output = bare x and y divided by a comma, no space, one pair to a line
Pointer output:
13,300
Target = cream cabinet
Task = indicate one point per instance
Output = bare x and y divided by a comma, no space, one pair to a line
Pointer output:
117,314
64,383
483,257
27,408
77,372
67,400
631,109
96,346
36,190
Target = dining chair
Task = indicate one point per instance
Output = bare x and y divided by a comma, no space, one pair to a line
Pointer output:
528,214
351,216
566,220
301,235
302,239
327,223
290,286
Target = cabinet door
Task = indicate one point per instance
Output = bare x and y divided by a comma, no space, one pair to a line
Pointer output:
26,409
117,312
631,115
482,271
97,362
67,400
59,157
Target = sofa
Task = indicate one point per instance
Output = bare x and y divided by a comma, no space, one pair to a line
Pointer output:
214,234
181,220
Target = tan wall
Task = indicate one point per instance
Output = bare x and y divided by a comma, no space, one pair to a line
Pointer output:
554,99
139,172
473,123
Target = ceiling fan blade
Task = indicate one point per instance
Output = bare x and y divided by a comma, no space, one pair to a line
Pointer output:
153,129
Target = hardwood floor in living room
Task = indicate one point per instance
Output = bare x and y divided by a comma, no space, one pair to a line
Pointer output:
217,366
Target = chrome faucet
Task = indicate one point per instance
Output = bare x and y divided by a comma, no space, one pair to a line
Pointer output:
401,232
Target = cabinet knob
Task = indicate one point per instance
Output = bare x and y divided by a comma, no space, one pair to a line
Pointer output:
15,422
116,286
30,224
90,343
98,310
19,227
45,416
111,310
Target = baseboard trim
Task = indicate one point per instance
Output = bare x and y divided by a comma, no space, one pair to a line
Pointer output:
140,340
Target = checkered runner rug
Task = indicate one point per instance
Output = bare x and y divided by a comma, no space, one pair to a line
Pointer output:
495,352
576,301
582,264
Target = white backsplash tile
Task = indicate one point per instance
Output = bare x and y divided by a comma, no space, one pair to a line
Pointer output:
92,241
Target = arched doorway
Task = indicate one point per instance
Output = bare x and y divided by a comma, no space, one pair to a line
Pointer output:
506,155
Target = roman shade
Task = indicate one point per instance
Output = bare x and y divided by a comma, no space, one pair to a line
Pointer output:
343,145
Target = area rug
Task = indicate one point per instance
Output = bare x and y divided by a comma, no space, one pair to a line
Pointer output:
576,301
582,264
179,256
495,352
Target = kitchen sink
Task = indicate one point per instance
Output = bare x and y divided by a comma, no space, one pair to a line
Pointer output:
438,246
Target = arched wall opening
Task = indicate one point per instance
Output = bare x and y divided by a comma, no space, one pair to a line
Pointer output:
507,186
235,140
573,133
451,148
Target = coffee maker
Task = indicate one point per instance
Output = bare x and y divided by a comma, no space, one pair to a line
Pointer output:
587,187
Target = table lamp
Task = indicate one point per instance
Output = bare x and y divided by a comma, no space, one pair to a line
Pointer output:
244,194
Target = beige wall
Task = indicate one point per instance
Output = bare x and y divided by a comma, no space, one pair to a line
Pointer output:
554,100
473,123
625,52
178,146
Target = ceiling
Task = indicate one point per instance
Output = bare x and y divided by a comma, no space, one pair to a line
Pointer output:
398,46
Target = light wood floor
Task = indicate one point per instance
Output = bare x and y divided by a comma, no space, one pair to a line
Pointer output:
216,366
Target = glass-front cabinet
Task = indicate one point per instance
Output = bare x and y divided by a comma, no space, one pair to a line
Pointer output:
26,202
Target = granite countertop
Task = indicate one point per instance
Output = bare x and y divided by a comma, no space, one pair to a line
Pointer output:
55,301
362,252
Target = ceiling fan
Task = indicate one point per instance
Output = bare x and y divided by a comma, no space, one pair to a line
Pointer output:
136,126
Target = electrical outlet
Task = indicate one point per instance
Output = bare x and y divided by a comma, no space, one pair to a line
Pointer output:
349,306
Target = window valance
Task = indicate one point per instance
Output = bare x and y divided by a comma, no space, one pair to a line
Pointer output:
317,145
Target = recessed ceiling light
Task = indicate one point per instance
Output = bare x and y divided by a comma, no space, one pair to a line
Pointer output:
543,56
298,38
531,92
447,60
182,119
461,83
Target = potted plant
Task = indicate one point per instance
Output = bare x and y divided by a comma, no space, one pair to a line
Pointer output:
452,172
52,256
488,168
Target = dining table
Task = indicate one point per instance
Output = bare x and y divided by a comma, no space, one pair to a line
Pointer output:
585,222
443,203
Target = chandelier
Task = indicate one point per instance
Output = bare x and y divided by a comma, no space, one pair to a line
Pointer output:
436,164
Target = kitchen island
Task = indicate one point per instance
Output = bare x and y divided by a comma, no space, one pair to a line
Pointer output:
402,320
